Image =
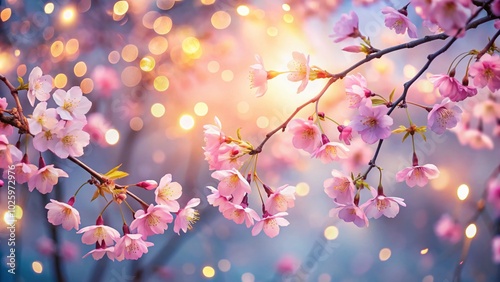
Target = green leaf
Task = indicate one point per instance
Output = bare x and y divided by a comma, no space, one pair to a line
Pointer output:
113,170
117,175
406,136
238,133
400,129
378,102
423,136
96,194
392,95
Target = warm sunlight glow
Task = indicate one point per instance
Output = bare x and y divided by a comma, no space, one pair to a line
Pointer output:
463,192
201,109
68,15
112,136
331,232
302,189
471,231
120,8
186,122
384,254
157,110
243,10
208,271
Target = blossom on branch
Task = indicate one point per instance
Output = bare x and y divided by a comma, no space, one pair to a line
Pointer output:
382,205
372,123
281,199
186,216
71,140
232,183
450,87
152,221
345,27
45,179
131,246
239,213
168,192
486,72
417,175
39,86
306,134
72,104
258,77
398,21
8,153
350,212
299,70
42,118
271,224
101,234
63,214
340,188
443,116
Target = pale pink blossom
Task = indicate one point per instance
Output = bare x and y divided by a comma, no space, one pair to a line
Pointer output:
287,265
216,199
270,224
47,139
63,214
356,89
417,175
448,229
6,129
23,171
399,22
382,205
232,183
451,15
186,216
330,151
168,192
45,179
495,8
281,199
72,104
101,234
486,72
9,153
340,188
477,139
239,213
42,118
96,127
258,77
214,138
350,213
71,140
105,80
488,111
345,134
152,221
99,253
299,70
450,87
306,134
147,184
443,116
3,103
345,27
228,156
39,86
495,246
131,246
372,123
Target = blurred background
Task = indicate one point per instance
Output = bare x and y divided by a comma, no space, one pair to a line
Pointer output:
157,71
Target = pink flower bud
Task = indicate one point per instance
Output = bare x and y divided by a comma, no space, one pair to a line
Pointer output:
353,49
148,184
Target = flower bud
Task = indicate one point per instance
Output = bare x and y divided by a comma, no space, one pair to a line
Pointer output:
148,184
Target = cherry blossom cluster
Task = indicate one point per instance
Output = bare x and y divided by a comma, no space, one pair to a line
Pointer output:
235,160
65,131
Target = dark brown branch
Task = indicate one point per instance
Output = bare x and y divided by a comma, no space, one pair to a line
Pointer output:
488,46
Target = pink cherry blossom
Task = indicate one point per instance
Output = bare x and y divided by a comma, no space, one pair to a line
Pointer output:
101,234
214,138
494,195
147,184
495,246
443,116
42,118
168,192
488,111
451,15
306,134
131,246
340,188
354,49
271,224
448,229
3,103
47,138
216,199
356,90
71,140
153,221
64,214
9,153
495,7
350,213
382,205
45,179
299,70
450,87
258,77
228,156
486,72
417,175
69,251
186,216
345,27
372,123
345,134
72,104
96,127
105,80
477,139
6,129
99,253
281,199
45,246
331,151
39,86
23,171
232,183
398,21
239,213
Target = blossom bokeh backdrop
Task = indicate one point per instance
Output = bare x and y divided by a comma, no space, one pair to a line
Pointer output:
157,71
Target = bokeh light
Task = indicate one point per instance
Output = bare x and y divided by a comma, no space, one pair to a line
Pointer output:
112,136
471,231
201,109
331,232
384,254
462,192
37,267
157,110
68,15
221,20
208,271
186,122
